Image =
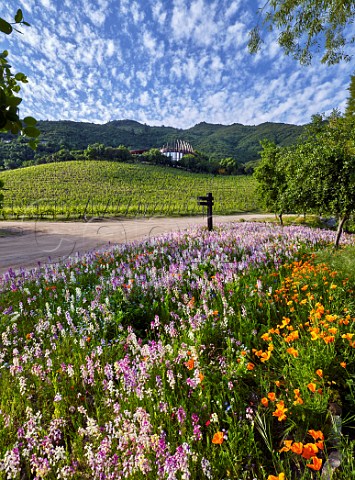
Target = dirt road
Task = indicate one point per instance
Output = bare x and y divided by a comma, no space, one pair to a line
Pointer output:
26,243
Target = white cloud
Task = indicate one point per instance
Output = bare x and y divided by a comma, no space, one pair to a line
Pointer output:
137,13
48,4
159,14
174,63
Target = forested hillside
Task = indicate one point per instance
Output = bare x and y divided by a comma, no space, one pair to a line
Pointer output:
216,141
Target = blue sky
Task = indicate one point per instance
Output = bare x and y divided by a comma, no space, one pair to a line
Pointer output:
171,62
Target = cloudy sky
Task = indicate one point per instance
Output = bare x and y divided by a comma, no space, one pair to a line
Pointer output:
162,62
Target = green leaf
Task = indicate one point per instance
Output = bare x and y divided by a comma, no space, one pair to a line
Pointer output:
12,116
26,23
18,16
31,132
30,121
15,129
2,119
2,97
33,144
5,27
20,77
13,101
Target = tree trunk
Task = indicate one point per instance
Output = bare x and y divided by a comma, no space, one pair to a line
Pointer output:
340,230
280,218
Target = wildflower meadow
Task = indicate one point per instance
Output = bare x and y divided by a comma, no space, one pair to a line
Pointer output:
194,355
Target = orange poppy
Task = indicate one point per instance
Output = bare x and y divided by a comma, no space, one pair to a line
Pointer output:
312,387
316,434
309,450
316,463
190,364
218,438
297,447
280,476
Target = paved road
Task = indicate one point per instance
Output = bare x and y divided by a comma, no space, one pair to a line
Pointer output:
25,243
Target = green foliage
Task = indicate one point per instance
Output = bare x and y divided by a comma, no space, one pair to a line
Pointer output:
9,89
321,171
104,188
350,107
270,176
229,165
307,26
155,156
217,141
1,194
317,175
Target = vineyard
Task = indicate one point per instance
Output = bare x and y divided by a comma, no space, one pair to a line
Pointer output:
89,189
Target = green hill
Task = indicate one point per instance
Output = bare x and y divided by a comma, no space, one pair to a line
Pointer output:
219,141
100,188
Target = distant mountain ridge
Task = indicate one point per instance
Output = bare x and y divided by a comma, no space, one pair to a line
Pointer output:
239,141
215,141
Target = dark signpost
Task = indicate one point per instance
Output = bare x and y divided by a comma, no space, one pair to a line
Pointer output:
207,202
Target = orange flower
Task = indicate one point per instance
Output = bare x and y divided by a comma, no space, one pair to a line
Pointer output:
292,336
265,402
309,450
280,476
316,434
319,372
266,337
292,351
250,366
271,396
316,463
343,364
312,387
201,376
314,334
264,357
190,364
191,303
329,339
218,438
280,411
287,446
297,447
348,336
332,330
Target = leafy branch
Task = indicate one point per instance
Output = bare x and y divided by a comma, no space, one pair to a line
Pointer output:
10,86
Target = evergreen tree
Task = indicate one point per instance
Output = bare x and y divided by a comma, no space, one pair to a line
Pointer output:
350,107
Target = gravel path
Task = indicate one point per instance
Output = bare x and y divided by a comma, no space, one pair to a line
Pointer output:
26,243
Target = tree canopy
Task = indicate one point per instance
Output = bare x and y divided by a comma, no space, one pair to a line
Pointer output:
317,175
10,86
305,27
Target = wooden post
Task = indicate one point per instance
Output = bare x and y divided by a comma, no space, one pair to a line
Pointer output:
208,202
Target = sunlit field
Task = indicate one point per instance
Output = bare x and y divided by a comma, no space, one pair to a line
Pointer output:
73,190
195,355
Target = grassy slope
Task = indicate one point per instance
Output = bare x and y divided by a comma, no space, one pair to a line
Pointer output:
117,188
